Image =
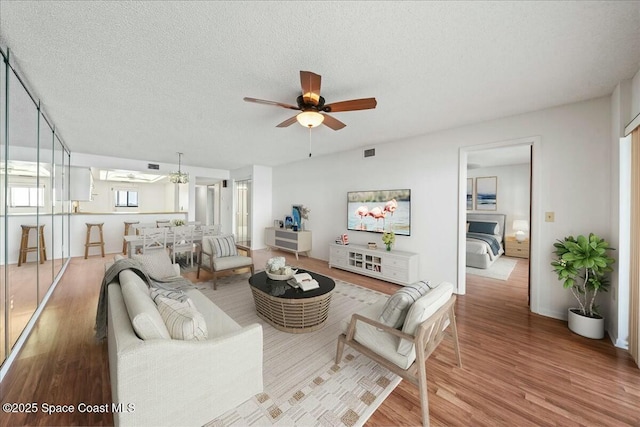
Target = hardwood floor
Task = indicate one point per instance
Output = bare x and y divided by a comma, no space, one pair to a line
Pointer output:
518,368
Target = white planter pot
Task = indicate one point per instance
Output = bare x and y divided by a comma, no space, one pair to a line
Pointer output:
586,326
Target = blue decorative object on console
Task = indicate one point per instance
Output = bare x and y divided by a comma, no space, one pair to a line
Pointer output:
288,222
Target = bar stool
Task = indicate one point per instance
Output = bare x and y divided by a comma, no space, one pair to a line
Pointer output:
89,243
24,244
127,225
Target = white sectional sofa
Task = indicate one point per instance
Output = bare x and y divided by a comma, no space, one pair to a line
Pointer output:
164,381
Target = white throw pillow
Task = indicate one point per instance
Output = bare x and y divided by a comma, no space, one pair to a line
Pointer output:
182,319
421,310
398,304
157,264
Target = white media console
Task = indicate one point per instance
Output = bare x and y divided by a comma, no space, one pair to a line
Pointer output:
392,266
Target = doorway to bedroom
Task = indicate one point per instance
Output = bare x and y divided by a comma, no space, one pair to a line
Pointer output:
497,217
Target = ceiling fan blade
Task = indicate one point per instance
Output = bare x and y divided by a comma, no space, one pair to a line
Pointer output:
310,83
332,122
351,105
277,104
288,122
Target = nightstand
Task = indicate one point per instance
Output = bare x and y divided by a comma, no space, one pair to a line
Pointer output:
515,248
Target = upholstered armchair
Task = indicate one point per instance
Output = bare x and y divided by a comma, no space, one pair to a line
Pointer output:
221,254
400,333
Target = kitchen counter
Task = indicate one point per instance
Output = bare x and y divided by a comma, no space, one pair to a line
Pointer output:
113,228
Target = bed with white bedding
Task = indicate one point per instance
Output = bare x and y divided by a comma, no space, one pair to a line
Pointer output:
485,239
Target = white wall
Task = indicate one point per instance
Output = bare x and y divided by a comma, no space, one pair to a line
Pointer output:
513,191
635,97
574,158
201,204
262,204
151,197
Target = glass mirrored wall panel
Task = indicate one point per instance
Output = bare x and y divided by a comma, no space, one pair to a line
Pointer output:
34,207
45,210
59,200
25,196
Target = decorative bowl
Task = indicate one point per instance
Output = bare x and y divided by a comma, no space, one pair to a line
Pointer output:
273,276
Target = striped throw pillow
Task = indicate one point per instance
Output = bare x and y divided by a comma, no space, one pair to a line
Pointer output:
175,294
182,319
224,246
397,306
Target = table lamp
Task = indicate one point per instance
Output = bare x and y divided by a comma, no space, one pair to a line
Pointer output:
520,226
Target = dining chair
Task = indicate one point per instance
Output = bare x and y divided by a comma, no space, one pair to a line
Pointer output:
140,226
183,242
153,238
210,230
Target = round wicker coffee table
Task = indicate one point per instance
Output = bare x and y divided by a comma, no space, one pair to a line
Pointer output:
291,309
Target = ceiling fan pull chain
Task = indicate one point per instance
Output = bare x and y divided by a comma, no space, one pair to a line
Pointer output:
309,141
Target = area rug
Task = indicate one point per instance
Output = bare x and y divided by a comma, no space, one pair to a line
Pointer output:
302,384
501,269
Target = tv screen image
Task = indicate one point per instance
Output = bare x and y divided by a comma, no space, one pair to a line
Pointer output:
379,211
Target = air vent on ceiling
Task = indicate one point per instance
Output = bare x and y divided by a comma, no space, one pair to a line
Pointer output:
153,166
370,152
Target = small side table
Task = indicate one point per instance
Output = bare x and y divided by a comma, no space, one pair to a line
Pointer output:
516,249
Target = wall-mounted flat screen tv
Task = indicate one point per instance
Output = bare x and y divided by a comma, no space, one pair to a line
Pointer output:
379,211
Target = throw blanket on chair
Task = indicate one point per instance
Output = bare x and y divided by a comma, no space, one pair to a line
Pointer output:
111,276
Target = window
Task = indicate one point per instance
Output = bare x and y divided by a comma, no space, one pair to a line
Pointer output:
126,198
26,197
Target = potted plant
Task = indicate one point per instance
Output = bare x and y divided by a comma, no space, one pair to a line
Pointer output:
582,265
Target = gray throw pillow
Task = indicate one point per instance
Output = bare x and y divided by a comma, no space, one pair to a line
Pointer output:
397,306
157,264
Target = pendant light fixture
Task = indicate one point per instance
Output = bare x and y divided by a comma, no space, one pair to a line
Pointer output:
179,177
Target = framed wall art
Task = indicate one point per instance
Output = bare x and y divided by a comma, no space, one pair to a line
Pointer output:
469,194
487,193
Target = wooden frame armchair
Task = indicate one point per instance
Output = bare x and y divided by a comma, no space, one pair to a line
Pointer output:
426,339
217,258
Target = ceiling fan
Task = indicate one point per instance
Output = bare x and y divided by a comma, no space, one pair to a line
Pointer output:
312,105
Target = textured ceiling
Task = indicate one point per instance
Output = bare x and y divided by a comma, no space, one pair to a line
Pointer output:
146,79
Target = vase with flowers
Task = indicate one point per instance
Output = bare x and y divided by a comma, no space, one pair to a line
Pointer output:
304,214
388,238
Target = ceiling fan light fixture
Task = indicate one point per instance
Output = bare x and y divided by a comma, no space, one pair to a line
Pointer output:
179,177
310,119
